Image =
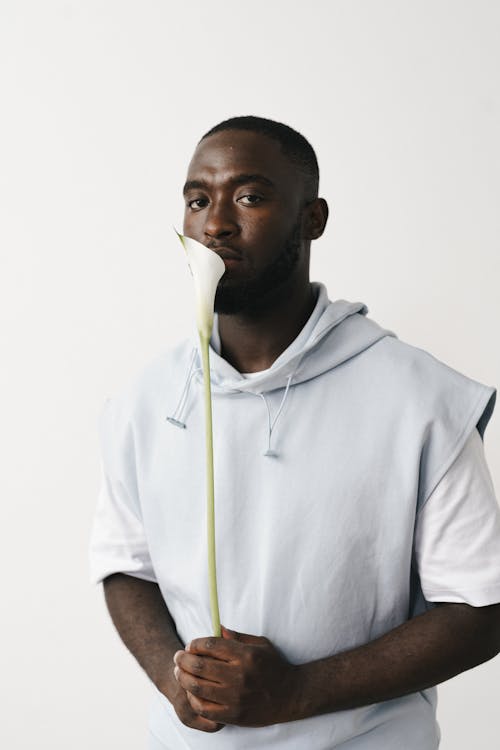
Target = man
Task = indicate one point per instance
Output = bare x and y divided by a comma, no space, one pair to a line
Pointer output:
357,530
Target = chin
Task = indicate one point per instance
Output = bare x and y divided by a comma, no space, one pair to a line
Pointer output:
232,299
245,301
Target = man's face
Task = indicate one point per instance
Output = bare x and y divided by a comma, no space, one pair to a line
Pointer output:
243,195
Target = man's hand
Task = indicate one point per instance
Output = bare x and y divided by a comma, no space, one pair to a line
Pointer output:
242,679
146,627
179,700
237,679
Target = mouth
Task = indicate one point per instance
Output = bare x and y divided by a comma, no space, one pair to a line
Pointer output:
230,257
227,254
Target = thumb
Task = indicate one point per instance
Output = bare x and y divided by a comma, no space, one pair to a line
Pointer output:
242,637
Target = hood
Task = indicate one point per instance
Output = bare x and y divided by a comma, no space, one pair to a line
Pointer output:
340,332
335,332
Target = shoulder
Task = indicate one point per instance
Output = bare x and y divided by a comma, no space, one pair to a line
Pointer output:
149,388
415,370
439,393
436,402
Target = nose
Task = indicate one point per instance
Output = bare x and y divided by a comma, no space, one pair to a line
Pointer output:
220,220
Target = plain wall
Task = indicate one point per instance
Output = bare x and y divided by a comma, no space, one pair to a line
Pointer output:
102,105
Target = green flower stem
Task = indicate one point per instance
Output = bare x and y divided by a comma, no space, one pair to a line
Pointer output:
212,575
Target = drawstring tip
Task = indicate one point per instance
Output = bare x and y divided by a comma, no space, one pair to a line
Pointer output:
271,454
176,422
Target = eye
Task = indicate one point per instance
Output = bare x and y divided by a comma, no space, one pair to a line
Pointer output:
252,199
189,204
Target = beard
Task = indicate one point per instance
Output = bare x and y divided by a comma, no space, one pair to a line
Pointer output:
254,296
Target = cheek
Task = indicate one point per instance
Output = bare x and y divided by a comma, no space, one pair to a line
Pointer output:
193,225
263,228
268,238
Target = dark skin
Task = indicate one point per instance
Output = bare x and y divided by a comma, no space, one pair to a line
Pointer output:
243,679
254,219
140,615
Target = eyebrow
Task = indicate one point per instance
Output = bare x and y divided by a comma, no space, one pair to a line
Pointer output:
239,179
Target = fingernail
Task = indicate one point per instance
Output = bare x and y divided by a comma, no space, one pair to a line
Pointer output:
176,656
176,673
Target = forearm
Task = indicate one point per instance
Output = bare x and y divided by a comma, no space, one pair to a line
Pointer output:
145,625
422,652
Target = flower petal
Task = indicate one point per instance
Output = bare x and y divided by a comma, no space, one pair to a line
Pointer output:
207,269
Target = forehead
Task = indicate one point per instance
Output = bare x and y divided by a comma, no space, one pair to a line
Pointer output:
221,156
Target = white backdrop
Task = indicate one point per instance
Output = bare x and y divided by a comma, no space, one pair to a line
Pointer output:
102,104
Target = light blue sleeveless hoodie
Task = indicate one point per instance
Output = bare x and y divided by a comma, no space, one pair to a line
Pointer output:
321,466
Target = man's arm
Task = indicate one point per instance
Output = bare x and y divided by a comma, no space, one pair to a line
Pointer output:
145,625
242,679
420,653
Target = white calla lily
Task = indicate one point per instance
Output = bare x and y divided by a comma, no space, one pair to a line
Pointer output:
207,268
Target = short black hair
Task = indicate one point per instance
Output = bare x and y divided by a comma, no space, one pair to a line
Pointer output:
293,145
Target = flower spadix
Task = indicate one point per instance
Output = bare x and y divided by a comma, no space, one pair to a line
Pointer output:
207,269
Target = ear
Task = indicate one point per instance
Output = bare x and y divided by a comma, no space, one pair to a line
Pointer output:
315,216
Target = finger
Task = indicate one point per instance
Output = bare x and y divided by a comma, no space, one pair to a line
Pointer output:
255,640
203,666
205,725
208,710
205,689
190,718
218,648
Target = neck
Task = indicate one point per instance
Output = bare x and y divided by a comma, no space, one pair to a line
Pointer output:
251,344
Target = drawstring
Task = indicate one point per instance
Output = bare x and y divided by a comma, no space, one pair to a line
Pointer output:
174,419
270,452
